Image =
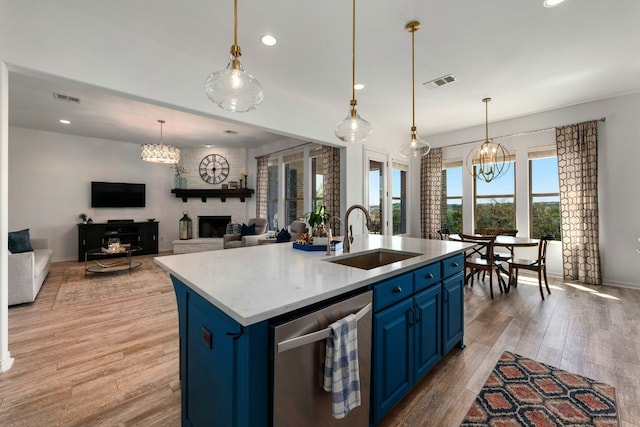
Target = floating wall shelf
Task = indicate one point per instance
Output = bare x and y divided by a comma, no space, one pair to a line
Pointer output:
203,194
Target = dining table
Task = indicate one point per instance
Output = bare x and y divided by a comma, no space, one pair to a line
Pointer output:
509,242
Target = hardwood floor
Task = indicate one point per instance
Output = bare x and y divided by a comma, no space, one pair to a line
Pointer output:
103,350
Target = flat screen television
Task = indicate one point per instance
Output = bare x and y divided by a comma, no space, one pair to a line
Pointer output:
117,195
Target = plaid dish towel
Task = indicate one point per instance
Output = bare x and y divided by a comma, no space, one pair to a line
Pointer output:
341,369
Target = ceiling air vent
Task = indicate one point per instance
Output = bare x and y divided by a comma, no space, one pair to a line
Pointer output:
66,98
440,81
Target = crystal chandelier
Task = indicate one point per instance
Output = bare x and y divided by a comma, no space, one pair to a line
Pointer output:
490,160
160,153
233,89
416,147
353,128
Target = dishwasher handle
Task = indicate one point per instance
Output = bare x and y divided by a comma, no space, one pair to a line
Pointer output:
316,336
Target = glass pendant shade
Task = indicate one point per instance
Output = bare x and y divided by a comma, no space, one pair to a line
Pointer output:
234,90
416,147
353,128
160,153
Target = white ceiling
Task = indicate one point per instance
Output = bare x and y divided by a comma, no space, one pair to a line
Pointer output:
526,57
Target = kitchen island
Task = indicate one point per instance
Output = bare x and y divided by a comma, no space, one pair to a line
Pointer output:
227,300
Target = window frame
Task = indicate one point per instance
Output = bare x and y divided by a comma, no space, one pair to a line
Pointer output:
513,224
536,154
404,188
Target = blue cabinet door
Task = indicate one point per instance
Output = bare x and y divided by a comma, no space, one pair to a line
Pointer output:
224,367
427,330
453,311
392,356
210,382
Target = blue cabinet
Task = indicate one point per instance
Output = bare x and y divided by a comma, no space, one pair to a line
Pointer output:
392,356
419,318
223,365
453,311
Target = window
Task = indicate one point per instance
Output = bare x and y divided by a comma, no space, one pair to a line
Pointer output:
399,197
376,195
495,205
544,194
451,211
293,188
317,180
272,194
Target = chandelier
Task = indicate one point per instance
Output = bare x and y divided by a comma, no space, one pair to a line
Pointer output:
160,153
353,128
416,147
490,160
233,89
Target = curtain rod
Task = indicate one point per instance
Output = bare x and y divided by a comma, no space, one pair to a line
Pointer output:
601,119
289,148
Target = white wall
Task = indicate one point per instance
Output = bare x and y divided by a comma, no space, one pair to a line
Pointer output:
49,186
618,174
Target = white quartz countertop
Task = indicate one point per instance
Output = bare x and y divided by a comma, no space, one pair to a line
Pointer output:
258,283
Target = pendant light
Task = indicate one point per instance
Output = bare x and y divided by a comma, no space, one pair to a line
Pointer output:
233,89
160,153
353,128
416,147
490,160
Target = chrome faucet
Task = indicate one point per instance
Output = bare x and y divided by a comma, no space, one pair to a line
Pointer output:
349,231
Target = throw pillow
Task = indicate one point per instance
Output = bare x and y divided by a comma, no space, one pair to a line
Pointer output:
19,241
233,228
248,230
283,236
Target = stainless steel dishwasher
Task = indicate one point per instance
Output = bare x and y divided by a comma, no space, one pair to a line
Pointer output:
298,360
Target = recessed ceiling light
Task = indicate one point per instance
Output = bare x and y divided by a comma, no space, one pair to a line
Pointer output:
358,86
268,40
552,3
208,145
64,122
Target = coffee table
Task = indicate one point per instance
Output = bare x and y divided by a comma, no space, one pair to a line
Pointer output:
104,261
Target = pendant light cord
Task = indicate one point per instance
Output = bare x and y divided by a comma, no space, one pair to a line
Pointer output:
413,80
235,22
353,53
486,119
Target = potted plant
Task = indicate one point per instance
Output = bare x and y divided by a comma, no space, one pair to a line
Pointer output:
319,222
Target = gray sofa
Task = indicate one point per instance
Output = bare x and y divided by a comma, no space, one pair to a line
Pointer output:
27,271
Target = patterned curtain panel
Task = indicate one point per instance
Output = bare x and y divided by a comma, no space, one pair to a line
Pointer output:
262,182
331,183
431,193
577,147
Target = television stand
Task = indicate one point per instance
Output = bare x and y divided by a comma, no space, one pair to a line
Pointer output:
97,235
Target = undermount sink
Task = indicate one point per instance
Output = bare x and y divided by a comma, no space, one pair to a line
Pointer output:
373,259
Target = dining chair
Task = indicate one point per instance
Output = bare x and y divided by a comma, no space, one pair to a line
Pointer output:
480,258
539,265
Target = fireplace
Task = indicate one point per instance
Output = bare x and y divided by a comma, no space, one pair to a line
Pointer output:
212,226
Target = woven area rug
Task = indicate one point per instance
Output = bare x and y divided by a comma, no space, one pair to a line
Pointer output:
523,392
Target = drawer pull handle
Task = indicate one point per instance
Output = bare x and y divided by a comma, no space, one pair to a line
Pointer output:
397,290
455,264
429,276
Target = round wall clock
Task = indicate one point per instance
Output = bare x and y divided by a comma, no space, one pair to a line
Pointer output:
214,168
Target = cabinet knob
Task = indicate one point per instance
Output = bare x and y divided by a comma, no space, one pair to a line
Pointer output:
455,264
428,276
397,290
